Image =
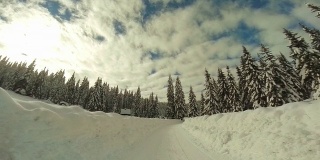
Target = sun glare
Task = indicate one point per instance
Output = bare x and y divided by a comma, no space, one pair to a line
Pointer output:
31,38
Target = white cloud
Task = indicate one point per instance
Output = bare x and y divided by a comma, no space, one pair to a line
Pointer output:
183,38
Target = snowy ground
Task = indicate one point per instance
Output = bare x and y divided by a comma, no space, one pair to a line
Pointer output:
291,131
34,130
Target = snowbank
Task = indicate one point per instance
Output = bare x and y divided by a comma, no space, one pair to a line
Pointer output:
31,129
291,131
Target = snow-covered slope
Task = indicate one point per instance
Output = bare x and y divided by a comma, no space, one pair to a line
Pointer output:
291,131
35,130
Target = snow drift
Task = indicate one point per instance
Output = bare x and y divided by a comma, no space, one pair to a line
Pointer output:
291,131
31,129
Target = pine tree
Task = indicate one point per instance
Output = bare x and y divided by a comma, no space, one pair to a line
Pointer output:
70,89
76,95
211,103
156,107
170,110
293,88
223,93
248,80
312,68
193,109
29,77
150,111
275,83
84,93
233,96
95,101
179,101
314,8
106,95
41,82
137,103
202,102
116,101
4,69
307,62
57,92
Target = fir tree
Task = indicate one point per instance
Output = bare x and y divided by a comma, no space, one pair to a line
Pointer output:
193,109
170,110
179,101
314,8
274,82
233,96
293,88
137,103
248,80
306,60
76,95
30,77
40,91
106,95
84,93
211,103
156,107
223,93
151,109
95,101
70,89
58,87
202,103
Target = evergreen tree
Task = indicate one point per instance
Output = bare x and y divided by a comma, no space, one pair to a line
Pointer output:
151,109
76,95
29,78
70,89
170,110
233,96
95,101
303,59
248,80
312,67
106,91
293,88
179,101
156,107
116,101
4,69
274,82
223,93
211,103
119,102
193,109
314,8
202,103
40,91
84,93
137,103
58,87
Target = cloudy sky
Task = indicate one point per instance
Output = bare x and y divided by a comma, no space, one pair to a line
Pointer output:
134,43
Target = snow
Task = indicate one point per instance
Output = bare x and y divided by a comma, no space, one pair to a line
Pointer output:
31,129
291,131
38,130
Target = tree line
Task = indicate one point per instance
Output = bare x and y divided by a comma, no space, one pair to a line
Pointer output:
265,81
24,79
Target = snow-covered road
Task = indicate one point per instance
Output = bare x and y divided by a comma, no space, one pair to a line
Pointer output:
167,143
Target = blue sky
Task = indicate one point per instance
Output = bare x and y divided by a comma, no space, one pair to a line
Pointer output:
139,43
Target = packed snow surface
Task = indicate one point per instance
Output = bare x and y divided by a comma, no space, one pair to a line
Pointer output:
36,130
291,131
